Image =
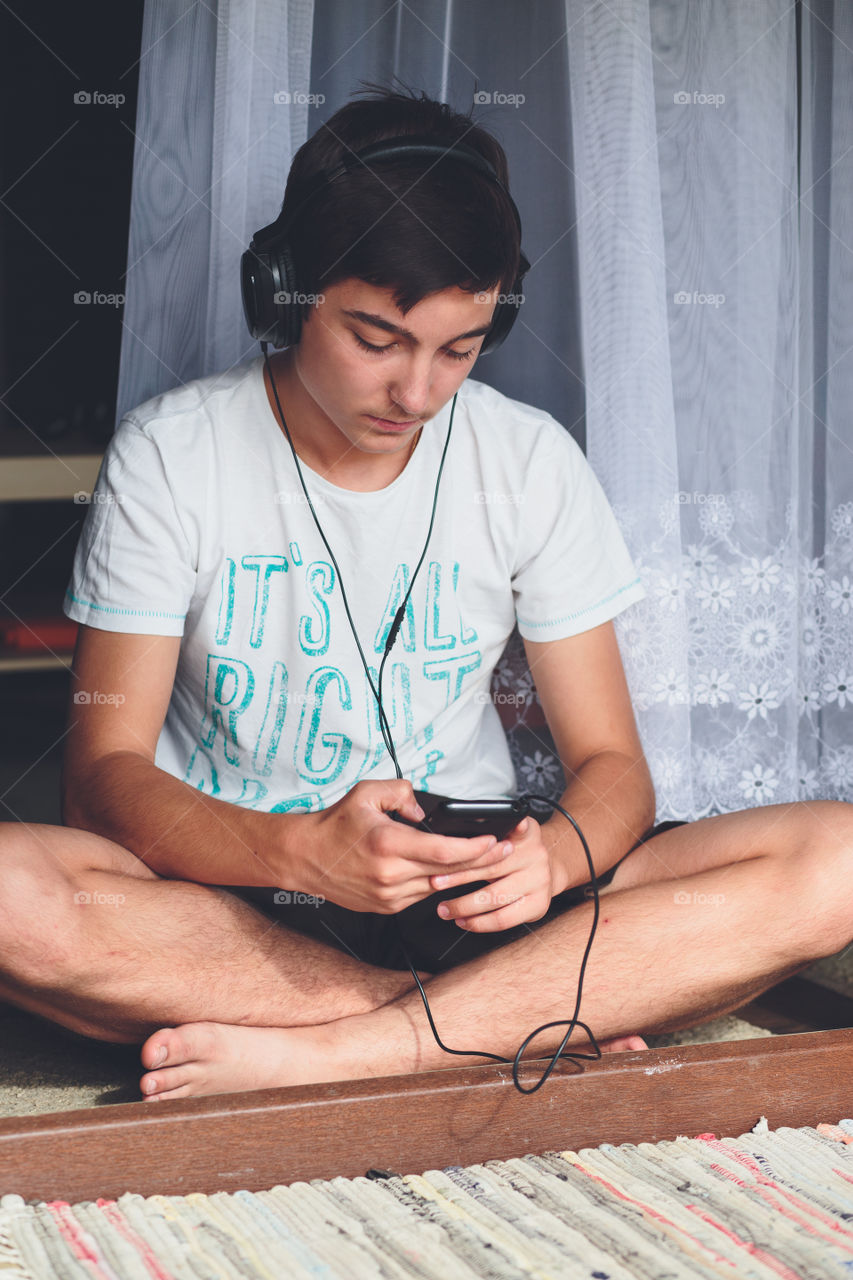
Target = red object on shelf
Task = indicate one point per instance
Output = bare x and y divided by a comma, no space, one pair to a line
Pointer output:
34,635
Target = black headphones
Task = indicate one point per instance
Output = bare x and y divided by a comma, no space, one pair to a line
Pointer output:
271,301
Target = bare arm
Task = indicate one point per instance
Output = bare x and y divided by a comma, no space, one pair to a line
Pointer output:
609,792
111,785
351,853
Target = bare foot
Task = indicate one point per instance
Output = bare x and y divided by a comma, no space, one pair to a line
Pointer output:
212,1057
215,1057
623,1044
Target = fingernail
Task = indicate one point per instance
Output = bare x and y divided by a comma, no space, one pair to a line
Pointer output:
444,911
507,850
491,843
160,1056
440,881
419,812
462,922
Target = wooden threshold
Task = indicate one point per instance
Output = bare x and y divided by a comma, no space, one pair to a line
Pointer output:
407,1124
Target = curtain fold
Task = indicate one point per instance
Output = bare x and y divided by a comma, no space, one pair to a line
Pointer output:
224,104
623,284
827,218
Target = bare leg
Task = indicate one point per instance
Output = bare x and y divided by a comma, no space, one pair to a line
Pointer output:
144,951
762,894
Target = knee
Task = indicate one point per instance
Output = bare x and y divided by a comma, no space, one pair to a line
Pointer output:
37,924
820,871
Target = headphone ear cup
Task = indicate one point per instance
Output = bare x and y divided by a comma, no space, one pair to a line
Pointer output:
268,286
249,288
288,311
258,288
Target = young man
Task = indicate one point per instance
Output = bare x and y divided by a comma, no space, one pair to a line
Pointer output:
225,731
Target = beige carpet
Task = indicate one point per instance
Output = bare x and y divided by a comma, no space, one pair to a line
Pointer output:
43,1067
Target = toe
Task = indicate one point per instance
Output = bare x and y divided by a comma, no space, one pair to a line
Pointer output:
190,1042
155,1050
623,1044
157,1084
176,1058
184,1092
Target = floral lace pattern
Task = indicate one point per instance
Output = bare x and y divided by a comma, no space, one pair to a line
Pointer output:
740,665
756,692
531,745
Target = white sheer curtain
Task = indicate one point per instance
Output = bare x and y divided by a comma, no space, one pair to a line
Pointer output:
717,318
685,178
223,107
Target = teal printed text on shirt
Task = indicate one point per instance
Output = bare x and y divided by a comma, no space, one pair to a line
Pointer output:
253,708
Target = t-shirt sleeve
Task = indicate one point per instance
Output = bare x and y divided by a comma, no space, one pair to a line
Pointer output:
573,570
134,569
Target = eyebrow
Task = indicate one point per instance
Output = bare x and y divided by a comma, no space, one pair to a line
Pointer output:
381,323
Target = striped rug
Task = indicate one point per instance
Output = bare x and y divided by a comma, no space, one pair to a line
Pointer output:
767,1204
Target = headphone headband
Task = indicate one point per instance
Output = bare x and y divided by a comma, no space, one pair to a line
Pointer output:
271,301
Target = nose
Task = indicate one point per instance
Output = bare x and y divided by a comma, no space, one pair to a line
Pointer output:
410,389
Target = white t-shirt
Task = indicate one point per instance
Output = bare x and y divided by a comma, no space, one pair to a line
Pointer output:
199,528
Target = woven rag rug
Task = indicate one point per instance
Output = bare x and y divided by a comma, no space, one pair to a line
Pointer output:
768,1204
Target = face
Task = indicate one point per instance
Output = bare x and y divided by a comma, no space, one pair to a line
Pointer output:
371,376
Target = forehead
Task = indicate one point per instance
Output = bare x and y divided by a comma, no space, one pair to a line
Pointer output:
452,308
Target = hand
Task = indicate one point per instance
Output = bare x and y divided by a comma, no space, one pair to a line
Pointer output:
522,885
354,854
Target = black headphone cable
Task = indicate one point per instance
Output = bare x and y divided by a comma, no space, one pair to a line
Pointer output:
571,1023
401,612
386,734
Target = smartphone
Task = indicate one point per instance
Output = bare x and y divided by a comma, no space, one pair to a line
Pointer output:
447,817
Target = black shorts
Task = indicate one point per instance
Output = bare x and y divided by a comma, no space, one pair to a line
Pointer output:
434,945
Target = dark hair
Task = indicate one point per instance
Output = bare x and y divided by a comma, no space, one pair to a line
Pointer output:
415,225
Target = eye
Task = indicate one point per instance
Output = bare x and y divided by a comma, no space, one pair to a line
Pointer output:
368,346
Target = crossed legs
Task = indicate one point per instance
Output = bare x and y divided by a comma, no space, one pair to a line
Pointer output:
696,922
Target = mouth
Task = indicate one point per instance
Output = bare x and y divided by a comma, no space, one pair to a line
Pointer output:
392,424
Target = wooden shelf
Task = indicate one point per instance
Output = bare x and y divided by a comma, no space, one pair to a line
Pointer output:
37,479
35,662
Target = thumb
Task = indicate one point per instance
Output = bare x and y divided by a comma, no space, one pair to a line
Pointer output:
412,809
399,795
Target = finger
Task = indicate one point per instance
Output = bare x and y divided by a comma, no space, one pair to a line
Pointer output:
484,900
408,807
483,871
412,810
405,900
384,794
456,852
406,894
524,910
